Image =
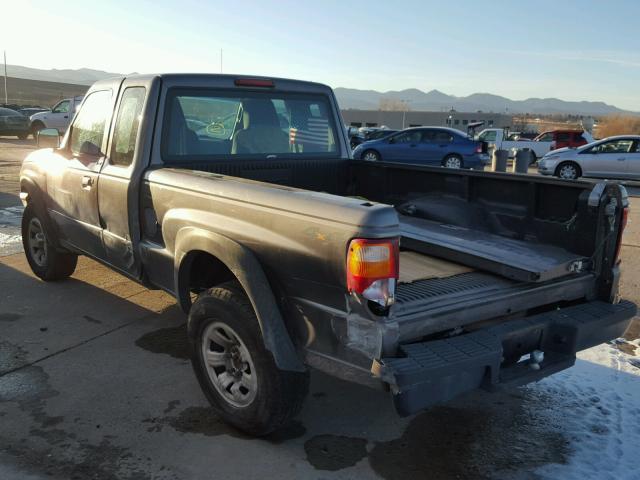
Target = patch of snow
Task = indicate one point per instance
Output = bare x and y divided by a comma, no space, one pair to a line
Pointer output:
597,405
10,237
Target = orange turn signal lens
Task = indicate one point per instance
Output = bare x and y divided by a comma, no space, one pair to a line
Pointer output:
371,260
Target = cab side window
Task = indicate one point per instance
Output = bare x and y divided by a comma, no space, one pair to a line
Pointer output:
87,131
127,124
546,137
62,107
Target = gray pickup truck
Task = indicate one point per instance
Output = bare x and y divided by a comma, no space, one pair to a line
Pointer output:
239,197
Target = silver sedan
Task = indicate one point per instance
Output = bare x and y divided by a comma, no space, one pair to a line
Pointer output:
612,157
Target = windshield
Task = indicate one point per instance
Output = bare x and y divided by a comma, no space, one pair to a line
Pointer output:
208,123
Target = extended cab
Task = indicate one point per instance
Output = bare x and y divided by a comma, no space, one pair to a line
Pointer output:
239,197
59,117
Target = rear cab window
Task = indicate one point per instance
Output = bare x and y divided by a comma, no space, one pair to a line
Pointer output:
218,124
126,129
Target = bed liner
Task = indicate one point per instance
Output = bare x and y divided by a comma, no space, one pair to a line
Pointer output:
519,260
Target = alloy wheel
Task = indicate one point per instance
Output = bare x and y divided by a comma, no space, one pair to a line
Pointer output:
453,162
568,172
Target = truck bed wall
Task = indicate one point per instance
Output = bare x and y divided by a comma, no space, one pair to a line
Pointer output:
520,207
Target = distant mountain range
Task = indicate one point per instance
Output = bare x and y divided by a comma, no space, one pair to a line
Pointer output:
81,76
351,98
434,100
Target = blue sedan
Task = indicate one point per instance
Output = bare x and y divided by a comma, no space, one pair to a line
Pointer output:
426,146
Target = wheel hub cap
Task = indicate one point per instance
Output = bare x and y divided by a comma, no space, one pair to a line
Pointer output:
229,364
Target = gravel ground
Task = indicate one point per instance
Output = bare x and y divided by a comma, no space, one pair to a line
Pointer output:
95,383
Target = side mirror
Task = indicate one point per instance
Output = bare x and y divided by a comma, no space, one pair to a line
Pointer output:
392,140
48,138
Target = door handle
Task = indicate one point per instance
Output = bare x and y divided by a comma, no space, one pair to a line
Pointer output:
413,145
621,159
87,182
66,116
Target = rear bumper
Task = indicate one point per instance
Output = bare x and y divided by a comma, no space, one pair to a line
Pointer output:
436,371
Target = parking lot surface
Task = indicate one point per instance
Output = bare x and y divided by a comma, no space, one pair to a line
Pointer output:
95,383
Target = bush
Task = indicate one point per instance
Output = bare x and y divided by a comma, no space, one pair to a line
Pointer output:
618,125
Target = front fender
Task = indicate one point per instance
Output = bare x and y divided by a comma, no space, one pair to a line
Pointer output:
248,271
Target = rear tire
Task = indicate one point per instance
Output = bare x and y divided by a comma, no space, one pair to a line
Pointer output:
371,156
568,171
235,370
452,161
47,262
23,136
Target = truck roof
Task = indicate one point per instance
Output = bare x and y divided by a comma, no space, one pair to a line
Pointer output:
200,77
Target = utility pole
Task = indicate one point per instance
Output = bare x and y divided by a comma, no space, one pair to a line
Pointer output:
405,103
6,95
220,60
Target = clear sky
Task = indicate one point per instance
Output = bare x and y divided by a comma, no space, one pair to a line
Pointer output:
570,49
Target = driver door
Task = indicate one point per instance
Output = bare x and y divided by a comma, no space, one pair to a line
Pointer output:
72,185
404,147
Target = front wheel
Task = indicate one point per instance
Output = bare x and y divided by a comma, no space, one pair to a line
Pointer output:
235,370
568,171
371,156
45,260
452,161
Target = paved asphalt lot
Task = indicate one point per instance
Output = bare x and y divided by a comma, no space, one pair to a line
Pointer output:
95,384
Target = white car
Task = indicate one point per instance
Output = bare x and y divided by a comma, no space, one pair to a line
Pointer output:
613,157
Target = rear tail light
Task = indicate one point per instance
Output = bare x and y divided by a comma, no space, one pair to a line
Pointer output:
372,269
623,225
479,148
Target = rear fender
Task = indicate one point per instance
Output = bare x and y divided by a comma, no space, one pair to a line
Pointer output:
248,271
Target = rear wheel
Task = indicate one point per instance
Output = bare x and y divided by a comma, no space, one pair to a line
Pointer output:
235,370
371,156
45,260
452,161
23,136
568,171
